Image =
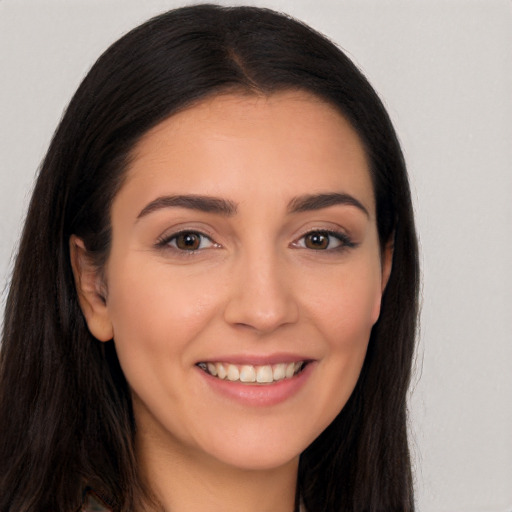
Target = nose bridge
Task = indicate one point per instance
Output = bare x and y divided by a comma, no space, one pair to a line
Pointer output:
261,291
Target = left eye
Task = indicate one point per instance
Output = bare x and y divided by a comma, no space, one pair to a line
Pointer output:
322,240
189,241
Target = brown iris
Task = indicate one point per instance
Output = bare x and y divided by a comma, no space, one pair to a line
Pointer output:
188,241
317,240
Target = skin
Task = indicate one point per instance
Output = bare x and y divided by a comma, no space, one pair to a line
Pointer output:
255,286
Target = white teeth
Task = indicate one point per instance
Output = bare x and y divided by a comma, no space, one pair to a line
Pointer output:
212,369
233,372
279,372
290,370
248,373
221,371
264,374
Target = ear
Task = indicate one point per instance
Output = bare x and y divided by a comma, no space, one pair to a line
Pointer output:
386,264
387,261
91,291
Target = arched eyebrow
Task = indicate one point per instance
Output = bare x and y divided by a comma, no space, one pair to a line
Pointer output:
228,208
191,202
318,201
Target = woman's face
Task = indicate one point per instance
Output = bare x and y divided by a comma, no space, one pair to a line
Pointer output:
244,244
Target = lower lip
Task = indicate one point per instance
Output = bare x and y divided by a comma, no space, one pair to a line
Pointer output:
259,395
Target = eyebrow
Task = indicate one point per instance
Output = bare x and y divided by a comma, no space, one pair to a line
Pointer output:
228,208
192,202
318,201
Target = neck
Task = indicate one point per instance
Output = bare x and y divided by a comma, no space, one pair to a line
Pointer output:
182,480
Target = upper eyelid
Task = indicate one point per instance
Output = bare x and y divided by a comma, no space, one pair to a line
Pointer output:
342,233
331,232
176,231
338,232
346,241
164,239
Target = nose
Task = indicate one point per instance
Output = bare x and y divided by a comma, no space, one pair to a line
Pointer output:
261,295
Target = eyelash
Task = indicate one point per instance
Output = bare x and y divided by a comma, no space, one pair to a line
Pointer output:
345,242
166,241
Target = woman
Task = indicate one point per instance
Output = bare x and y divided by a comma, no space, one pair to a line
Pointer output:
214,301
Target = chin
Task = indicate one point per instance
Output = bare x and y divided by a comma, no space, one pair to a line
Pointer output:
259,446
257,459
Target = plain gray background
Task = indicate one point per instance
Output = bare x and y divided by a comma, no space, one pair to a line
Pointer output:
444,70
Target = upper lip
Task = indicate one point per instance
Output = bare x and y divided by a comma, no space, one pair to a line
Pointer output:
256,360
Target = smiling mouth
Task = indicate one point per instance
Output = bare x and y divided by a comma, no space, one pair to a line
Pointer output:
247,373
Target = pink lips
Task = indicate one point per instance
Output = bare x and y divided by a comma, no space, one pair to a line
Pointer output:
255,394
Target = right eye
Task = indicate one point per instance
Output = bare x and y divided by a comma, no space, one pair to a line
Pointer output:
187,241
324,240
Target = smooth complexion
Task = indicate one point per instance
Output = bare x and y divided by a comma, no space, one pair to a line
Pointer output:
244,234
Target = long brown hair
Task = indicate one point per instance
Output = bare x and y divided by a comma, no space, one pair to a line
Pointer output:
65,409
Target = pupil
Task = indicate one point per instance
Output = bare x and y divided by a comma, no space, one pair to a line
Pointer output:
188,241
318,241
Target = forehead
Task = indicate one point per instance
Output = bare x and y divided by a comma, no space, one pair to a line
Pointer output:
286,141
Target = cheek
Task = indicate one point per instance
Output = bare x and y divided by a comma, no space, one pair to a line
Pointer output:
346,304
341,310
156,312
